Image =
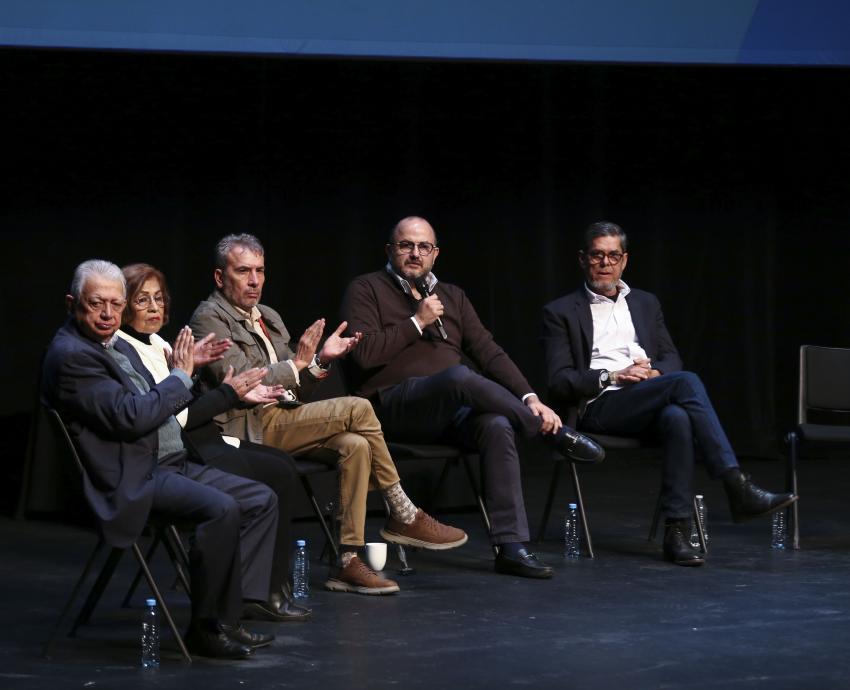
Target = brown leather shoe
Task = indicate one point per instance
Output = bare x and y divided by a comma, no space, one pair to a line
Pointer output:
424,532
359,578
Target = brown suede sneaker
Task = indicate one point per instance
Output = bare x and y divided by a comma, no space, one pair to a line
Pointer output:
360,578
424,532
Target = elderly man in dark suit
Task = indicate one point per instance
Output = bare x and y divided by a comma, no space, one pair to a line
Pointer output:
124,428
416,332
608,352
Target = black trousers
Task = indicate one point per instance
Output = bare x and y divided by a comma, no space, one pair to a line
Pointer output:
235,521
460,406
275,469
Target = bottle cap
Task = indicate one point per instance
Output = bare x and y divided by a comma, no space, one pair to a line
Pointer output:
573,506
301,542
150,602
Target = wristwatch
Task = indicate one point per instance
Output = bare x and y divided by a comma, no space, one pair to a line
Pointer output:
605,378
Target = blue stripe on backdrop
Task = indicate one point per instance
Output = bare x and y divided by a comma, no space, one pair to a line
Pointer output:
724,31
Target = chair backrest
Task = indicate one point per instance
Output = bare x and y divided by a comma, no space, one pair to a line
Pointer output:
62,432
824,380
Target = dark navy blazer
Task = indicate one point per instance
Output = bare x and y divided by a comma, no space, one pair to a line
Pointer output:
112,424
568,340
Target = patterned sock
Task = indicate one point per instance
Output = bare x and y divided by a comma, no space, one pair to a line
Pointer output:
401,507
345,557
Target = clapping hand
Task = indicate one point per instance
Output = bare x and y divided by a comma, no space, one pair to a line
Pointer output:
245,382
308,343
336,346
182,354
208,350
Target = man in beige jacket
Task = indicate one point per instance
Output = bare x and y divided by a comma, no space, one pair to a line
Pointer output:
346,425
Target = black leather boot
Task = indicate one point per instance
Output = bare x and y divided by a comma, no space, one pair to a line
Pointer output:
747,501
677,544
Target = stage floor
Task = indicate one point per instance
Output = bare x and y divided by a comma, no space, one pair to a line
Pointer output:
750,618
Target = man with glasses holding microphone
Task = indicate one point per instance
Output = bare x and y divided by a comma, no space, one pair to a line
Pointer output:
415,333
608,353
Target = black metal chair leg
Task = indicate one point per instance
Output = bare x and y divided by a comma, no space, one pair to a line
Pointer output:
137,552
330,542
176,552
656,518
432,503
174,535
131,590
482,507
703,543
48,646
97,589
547,509
580,502
791,485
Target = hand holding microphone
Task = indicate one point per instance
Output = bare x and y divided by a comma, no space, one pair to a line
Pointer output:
430,308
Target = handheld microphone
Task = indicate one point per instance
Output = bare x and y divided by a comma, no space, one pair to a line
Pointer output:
425,291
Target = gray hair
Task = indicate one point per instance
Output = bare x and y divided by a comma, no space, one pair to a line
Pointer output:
604,229
228,243
95,267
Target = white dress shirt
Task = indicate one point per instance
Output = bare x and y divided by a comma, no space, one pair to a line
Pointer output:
615,344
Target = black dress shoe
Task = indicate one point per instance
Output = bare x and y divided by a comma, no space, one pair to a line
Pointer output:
239,634
213,642
526,564
677,544
747,501
577,446
278,609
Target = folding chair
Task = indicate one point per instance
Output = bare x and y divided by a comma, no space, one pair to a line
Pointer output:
609,443
823,395
108,569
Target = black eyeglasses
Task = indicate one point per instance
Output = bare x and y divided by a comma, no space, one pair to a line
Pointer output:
595,258
405,247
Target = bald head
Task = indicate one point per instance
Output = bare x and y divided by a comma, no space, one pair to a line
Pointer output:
412,249
412,220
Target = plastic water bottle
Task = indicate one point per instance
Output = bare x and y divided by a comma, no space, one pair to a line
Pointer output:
700,501
571,539
778,534
301,571
150,636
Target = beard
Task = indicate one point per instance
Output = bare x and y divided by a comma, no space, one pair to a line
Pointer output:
603,287
411,271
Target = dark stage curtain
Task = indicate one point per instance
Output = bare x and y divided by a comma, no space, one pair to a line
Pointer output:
731,182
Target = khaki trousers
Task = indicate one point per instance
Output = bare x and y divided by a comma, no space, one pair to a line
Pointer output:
348,426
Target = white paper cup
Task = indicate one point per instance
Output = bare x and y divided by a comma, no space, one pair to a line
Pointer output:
376,555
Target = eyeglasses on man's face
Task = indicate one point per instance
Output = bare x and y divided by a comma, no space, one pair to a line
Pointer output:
145,301
595,257
407,247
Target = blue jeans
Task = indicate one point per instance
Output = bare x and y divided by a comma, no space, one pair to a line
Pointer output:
675,410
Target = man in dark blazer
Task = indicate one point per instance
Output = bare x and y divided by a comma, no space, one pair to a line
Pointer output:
416,333
608,353
132,450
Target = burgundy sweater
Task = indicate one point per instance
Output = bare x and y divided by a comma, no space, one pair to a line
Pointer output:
393,350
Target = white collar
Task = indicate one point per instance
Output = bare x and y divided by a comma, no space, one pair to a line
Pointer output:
596,298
